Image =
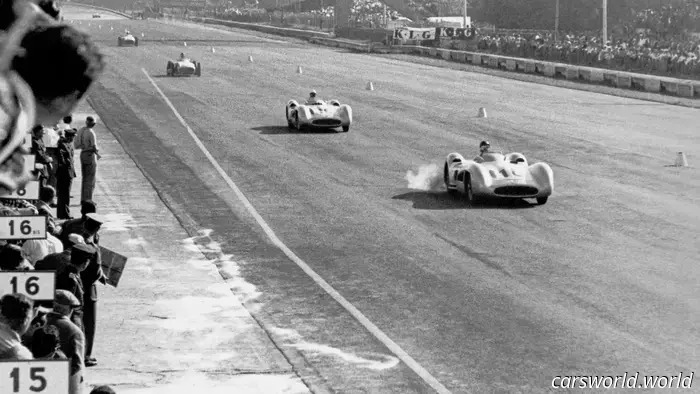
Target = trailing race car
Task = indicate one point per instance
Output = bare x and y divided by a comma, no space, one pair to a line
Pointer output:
498,175
183,68
320,114
127,40
96,16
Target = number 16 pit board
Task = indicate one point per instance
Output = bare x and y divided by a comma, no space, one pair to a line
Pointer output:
34,377
23,227
37,285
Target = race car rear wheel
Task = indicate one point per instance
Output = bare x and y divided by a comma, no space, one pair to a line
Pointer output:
542,200
198,70
346,129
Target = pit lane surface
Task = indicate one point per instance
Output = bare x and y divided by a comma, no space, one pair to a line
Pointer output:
501,298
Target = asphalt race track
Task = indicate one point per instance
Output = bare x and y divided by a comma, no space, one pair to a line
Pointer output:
602,279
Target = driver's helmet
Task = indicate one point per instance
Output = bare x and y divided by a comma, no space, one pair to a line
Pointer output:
312,94
127,32
484,146
182,55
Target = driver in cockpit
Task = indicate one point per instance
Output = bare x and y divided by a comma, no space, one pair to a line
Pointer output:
182,56
484,147
312,98
127,33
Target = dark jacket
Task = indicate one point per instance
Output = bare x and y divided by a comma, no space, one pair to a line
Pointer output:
66,164
39,151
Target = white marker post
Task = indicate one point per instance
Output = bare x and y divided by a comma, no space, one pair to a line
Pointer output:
30,191
23,227
37,285
34,377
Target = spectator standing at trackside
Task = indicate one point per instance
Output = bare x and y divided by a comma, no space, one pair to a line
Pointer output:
47,196
50,138
89,277
65,173
16,313
70,336
86,142
39,152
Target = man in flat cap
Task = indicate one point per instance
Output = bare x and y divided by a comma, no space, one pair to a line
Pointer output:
65,173
71,337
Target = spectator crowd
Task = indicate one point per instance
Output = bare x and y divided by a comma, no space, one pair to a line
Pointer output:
640,53
65,327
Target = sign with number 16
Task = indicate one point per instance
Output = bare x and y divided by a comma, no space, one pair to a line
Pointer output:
37,285
23,227
34,376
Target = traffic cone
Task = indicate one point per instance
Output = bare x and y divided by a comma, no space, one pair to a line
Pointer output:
213,50
299,70
143,35
482,113
250,59
184,43
370,86
681,160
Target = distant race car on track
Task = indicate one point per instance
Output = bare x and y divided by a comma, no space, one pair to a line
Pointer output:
320,114
128,40
183,68
498,175
96,16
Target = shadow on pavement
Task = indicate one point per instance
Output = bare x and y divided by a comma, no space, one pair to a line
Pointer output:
286,130
442,200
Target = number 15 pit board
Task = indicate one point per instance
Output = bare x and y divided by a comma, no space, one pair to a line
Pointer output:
34,377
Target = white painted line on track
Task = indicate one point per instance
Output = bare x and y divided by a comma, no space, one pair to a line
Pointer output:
383,338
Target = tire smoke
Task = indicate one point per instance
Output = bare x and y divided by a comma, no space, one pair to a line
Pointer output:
428,178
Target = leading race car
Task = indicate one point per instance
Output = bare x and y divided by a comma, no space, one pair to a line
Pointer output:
498,175
320,114
183,68
128,40
96,16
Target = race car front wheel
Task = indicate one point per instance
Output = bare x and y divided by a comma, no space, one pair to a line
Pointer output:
297,124
468,191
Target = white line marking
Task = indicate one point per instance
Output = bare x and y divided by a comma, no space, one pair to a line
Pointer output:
393,346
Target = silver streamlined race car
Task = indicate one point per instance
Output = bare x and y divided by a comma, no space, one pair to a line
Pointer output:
128,40
320,114
183,68
96,16
498,175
